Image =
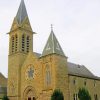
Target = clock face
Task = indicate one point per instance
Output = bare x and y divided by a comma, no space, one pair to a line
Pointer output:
30,72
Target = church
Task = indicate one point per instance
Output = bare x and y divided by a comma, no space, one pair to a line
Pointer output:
34,76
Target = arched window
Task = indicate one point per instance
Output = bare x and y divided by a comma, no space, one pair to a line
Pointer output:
23,43
76,96
74,80
16,43
27,44
94,83
85,82
73,96
12,44
95,97
34,98
48,76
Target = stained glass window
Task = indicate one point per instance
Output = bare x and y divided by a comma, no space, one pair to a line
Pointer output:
48,75
30,73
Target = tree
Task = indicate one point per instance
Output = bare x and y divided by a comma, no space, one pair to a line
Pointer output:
83,94
57,95
5,98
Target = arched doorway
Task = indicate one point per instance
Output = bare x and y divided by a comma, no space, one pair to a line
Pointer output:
29,93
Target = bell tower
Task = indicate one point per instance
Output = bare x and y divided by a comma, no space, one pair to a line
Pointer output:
20,44
21,34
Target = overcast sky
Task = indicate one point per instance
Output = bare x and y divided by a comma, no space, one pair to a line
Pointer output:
76,26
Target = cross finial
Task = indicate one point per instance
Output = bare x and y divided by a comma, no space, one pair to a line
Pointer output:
51,27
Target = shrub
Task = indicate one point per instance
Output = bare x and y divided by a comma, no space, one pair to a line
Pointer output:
5,98
83,94
57,95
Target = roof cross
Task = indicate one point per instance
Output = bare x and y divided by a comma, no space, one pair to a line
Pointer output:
51,27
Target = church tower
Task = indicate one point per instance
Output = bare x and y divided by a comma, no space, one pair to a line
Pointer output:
20,44
54,67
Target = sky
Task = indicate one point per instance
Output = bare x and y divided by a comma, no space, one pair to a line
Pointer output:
76,24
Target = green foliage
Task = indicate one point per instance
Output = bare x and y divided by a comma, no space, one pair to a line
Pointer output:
57,95
83,94
5,98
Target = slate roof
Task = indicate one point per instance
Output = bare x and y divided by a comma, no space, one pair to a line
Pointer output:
52,46
80,70
22,12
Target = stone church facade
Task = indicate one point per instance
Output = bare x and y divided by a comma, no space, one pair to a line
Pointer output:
33,76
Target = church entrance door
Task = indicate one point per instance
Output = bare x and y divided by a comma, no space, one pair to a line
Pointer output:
31,98
29,94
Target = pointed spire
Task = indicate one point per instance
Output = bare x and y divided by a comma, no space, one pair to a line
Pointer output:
52,45
22,13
